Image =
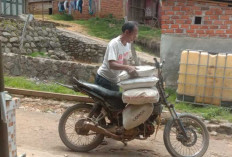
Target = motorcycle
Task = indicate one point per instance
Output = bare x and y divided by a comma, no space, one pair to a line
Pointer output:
83,127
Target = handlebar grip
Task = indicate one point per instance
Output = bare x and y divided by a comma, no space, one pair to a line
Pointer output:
155,59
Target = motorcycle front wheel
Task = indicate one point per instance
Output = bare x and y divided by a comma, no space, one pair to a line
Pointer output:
198,137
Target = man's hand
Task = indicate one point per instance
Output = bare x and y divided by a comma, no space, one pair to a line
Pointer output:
132,71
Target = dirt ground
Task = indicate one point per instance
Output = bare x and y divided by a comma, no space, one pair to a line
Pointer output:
37,136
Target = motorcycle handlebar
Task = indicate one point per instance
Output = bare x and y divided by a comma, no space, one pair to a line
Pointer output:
158,65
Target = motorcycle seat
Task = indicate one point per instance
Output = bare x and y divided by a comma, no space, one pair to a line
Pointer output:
102,91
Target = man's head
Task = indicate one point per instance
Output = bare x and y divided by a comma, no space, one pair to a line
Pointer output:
130,31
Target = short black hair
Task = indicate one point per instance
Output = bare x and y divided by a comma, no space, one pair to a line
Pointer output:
130,25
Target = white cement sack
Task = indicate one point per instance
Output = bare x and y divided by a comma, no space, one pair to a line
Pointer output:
134,115
140,96
143,82
142,71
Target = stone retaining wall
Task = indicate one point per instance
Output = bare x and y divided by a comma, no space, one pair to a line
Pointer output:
44,37
39,37
48,69
81,48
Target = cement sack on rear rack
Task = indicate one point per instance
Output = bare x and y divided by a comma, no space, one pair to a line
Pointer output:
142,71
144,82
140,96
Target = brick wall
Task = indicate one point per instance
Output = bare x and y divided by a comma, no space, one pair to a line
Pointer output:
36,7
114,7
178,17
107,7
11,106
55,9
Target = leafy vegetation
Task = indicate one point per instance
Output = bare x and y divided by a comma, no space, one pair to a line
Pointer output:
108,28
38,54
208,112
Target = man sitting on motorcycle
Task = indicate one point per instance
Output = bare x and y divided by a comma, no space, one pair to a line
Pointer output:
116,57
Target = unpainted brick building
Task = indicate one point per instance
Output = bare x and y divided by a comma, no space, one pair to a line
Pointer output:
193,24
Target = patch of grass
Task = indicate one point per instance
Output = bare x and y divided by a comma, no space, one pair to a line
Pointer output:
21,82
146,32
105,28
108,28
38,54
143,49
208,112
63,17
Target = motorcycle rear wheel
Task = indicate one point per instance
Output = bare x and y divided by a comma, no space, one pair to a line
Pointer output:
195,146
70,136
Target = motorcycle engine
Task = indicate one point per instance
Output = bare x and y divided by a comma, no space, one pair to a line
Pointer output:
147,129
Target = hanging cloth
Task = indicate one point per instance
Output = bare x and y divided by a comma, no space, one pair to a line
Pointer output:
70,9
77,5
72,5
80,6
61,6
90,7
66,5
94,6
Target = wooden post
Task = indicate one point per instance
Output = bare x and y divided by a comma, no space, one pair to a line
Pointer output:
4,148
43,10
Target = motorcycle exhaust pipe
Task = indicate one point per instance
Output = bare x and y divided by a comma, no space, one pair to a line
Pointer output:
100,130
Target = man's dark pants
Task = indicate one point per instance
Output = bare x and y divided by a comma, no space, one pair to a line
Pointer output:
101,81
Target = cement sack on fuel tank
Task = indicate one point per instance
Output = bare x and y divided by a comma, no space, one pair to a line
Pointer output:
143,82
140,96
134,115
142,71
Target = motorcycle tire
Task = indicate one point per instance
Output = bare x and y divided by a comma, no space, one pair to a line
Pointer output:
198,125
84,148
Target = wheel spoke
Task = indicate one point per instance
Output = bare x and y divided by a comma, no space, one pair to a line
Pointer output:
175,144
71,134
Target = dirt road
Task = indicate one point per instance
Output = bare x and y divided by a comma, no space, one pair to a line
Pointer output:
37,136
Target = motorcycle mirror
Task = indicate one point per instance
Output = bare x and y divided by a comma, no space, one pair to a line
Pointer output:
157,64
162,63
